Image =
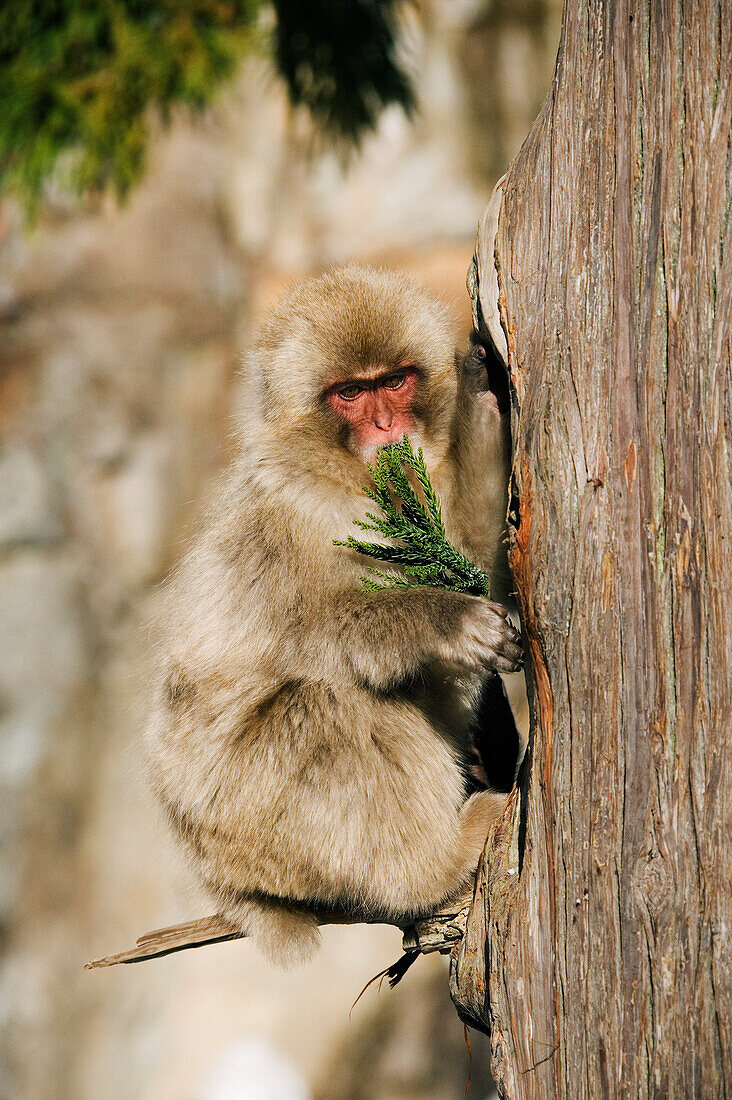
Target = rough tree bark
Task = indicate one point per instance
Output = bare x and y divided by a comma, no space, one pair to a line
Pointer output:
598,949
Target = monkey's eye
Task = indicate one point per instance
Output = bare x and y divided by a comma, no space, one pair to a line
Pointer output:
393,382
350,391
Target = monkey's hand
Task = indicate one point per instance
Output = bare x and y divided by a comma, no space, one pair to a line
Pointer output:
484,640
482,373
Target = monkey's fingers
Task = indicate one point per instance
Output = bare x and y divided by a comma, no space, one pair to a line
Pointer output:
509,657
503,643
484,372
492,642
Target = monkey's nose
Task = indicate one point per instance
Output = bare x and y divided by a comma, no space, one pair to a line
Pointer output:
382,416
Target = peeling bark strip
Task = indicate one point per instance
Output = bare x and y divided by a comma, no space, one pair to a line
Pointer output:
608,961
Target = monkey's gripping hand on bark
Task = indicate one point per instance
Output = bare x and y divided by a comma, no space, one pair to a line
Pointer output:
485,642
485,374
307,740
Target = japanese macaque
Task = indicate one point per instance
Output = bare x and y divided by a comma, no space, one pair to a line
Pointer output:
310,741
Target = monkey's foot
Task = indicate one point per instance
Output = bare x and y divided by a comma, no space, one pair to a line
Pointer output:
441,930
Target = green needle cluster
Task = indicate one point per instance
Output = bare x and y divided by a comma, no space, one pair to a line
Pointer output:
417,543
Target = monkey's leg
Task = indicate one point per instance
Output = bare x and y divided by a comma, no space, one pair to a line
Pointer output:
476,819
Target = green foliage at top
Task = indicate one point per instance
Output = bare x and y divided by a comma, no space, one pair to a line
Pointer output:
80,78
419,544
77,77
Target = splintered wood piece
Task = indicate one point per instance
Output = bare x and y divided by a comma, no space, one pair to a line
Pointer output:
177,937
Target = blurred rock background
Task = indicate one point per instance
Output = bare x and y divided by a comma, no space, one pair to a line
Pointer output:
120,332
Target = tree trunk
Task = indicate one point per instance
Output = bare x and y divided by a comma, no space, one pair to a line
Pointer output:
602,920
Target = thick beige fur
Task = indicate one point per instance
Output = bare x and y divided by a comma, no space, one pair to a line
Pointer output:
307,739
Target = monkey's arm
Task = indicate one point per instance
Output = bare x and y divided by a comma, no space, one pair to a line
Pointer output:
386,637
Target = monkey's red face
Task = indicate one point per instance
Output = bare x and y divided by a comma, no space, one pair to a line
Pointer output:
377,409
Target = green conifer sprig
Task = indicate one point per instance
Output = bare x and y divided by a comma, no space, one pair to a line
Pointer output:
419,545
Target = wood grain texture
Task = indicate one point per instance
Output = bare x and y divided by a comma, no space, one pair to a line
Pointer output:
608,962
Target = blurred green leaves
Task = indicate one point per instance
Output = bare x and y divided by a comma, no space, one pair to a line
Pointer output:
80,79
77,78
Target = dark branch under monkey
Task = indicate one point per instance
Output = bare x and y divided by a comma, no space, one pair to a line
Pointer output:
439,932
